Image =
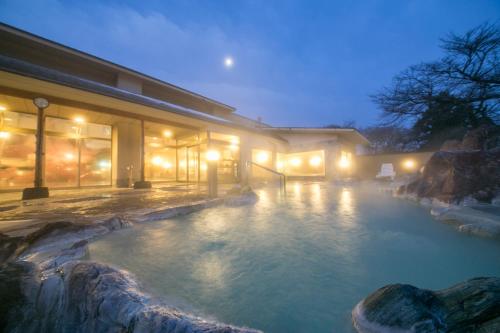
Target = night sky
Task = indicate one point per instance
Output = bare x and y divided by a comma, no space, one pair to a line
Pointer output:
296,63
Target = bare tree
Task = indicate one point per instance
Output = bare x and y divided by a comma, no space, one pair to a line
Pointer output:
467,77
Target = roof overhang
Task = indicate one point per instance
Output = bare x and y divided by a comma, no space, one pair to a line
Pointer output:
349,134
41,51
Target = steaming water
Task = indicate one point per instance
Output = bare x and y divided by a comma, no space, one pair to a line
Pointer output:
298,264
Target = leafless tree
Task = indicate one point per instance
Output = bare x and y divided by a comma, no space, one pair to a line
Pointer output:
468,77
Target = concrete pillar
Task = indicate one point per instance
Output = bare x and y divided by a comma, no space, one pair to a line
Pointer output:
245,155
126,153
332,155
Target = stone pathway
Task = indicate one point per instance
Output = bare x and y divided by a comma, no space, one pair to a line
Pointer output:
19,217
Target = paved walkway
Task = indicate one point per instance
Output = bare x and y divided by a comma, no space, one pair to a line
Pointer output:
20,217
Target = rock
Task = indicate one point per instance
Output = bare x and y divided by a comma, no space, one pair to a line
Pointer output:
471,306
8,247
480,138
452,176
240,196
50,230
89,297
451,145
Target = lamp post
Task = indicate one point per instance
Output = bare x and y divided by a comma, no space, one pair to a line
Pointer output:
39,191
142,183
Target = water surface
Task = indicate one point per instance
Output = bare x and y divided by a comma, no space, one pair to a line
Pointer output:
296,264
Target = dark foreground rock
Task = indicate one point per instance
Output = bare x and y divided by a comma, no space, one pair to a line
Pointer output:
452,176
471,306
88,297
240,196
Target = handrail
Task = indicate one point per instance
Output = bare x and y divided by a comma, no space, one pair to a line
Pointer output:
282,175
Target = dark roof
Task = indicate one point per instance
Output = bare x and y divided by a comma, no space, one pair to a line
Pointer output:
35,49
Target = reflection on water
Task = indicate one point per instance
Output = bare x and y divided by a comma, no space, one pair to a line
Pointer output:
346,207
297,263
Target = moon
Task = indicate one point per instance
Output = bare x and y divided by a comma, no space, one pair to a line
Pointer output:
228,62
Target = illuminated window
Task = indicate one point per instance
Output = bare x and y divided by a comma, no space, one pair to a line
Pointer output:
305,164
17,159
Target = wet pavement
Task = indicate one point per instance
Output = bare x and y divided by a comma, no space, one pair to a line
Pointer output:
18,217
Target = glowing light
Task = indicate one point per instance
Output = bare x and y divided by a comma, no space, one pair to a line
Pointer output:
167,134
157,160
228,62
69,156
155,144
296,161
203,166
4,135
235,141
280,165
104,164
262,157
409,164
3,108
213,155
315,161
167,165
344,162
79,120
233,147
19,172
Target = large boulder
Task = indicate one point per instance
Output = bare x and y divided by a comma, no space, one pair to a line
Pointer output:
471,306
452,176
89,297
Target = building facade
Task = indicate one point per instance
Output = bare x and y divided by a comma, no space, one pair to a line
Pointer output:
107,125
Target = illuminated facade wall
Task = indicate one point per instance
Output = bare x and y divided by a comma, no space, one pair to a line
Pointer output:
305,164
264,158
76,154
228,146
17,149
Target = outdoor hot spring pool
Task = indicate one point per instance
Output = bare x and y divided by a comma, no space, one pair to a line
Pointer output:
296,264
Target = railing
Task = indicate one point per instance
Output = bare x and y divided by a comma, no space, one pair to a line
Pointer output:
281,175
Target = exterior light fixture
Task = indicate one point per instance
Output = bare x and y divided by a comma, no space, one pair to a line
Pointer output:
3,108
157,160
213,155
79,120
4,135
41,102
344,163
262,157
296,161
167,134
409,164
315,161
104,164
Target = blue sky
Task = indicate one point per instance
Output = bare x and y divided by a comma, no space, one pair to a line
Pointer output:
297,63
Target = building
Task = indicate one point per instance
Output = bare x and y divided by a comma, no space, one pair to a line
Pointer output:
107,125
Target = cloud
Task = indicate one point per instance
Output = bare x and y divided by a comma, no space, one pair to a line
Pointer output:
266,81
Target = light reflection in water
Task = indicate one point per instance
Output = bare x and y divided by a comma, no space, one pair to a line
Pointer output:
280,266
211,271
346,206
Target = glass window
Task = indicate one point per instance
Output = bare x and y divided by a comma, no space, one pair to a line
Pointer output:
159,159
61,162
95,162
17,159
18,120
310,163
